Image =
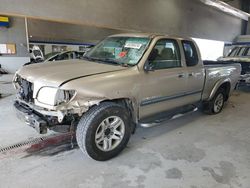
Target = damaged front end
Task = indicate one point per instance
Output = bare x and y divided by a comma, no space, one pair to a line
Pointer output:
42,120
48,107
245,79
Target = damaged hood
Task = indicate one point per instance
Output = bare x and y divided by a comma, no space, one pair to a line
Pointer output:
58,73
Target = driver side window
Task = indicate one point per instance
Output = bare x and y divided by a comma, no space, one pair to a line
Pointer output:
165,55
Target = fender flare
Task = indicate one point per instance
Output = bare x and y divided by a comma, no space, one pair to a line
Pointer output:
217,85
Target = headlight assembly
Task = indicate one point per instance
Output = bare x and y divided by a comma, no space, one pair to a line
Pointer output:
54,96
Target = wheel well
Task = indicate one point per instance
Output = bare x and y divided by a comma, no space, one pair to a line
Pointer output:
128,104
226,87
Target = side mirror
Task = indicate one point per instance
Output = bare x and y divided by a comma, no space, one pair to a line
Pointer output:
148,67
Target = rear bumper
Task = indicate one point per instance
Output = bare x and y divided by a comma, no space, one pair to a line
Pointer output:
31,117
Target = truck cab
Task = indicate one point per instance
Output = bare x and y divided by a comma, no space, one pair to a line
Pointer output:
175,70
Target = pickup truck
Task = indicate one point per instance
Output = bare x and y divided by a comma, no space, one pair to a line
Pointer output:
240,54
124,81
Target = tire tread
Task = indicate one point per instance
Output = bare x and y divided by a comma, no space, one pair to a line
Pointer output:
208,106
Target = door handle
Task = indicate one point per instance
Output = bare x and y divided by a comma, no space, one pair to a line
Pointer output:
181,75
191,74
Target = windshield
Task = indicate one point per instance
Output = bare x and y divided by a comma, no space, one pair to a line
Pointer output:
50,54
119,50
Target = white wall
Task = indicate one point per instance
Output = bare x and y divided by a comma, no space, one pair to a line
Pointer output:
210,49
14,34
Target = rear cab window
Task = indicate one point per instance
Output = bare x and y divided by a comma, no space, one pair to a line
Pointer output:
241,51
233,52
190,52
247,52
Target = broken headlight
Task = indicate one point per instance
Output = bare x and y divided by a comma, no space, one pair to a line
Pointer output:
54,96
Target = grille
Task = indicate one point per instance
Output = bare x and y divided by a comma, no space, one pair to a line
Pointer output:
26,90
245,68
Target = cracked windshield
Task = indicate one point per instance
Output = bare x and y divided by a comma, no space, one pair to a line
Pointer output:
119,50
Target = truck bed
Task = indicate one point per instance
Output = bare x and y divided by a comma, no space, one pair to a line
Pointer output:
216,71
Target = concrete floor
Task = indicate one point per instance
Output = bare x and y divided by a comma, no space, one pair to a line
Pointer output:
196,151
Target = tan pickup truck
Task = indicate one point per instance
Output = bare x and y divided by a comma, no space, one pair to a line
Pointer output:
124,81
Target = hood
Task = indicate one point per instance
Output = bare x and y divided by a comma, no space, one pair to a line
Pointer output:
57,73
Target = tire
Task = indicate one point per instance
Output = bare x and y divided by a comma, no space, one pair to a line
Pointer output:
216,104
99,120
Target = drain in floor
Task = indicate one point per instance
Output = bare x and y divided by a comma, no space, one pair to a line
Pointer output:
39,145
21,144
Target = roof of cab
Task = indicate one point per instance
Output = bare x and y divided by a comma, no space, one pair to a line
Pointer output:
149,35
133,35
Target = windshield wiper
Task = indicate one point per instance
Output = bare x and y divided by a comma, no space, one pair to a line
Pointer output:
106,60
100,60
90,58
110,61
113,62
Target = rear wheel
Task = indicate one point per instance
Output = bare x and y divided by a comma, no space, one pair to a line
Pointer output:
104,131
216,104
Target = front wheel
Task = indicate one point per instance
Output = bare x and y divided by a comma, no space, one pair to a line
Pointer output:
216,104
104,131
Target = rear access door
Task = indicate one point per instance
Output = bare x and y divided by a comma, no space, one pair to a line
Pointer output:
195,72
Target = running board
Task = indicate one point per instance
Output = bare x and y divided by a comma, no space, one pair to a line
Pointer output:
167,117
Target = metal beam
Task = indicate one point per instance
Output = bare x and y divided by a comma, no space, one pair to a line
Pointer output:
224,7
26,32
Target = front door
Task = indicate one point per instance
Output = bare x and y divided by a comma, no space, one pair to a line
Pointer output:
163,88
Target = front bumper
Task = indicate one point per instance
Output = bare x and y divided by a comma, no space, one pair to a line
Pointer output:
41,122
245,79
31,117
